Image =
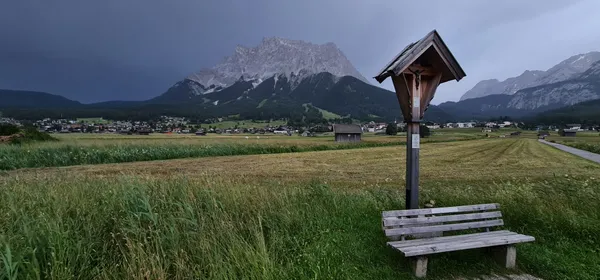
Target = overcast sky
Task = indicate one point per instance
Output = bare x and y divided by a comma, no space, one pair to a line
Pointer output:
135,49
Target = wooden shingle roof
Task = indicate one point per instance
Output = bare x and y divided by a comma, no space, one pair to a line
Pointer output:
424,49
347,128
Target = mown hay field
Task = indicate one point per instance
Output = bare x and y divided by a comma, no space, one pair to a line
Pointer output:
292,215
78,149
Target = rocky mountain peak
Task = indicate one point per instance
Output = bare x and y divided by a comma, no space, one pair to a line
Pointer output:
567,69
276,56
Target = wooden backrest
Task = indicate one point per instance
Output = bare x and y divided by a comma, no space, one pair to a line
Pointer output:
399,223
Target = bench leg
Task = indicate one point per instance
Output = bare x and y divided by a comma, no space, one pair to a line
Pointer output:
506,255
419,266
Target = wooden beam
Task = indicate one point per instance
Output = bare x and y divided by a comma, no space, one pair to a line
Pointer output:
446,227
464,245
441,210
415,102
426,71
402,87
394,221
430,86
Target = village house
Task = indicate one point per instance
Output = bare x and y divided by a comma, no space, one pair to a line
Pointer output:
433,126
575,126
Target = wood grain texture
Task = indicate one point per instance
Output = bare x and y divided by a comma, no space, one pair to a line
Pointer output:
394,221
446,227
464,245
441,210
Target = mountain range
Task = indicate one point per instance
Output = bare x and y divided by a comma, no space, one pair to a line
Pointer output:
282,78
572,81
565,70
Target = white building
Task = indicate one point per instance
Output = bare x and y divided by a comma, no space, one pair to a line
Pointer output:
434,126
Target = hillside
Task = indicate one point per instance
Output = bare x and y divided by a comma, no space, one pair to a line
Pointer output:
582,113
34,99
277,97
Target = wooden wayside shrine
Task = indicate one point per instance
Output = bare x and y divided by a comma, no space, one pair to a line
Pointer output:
416,73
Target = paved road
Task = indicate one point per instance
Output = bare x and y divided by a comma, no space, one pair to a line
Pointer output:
584,154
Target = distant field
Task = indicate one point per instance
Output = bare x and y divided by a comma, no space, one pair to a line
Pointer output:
294,215
77,148
90,148
244,124
93,120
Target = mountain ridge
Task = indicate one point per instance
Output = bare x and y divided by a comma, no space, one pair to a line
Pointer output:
565,70
274,56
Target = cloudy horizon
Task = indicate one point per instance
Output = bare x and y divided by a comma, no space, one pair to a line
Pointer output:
135,50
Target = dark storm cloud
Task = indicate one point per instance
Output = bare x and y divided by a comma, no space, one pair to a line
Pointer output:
136,49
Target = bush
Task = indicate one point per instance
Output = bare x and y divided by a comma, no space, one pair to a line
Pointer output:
30,134
8,129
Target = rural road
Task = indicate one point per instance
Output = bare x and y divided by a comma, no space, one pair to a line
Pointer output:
584,154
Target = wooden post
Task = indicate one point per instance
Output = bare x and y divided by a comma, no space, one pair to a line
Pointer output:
412,165
413,144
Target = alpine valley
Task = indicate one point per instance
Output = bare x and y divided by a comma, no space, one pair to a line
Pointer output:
297,80
279,78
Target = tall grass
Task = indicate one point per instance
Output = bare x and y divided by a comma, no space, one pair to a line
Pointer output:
178,228
12,157
30,156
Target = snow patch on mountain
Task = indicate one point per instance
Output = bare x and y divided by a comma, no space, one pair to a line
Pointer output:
275,56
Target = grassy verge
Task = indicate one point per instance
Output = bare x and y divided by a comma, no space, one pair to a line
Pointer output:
132,227
590,147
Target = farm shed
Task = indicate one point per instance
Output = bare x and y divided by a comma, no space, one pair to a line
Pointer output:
569,132
347,132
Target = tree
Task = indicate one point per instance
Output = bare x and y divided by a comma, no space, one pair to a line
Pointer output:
424,131
391,129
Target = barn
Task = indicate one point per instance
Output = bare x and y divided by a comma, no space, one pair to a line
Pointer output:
347,132
569,132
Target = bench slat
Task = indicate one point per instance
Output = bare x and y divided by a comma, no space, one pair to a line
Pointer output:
394,221
441,210
435,240
464,245
447,227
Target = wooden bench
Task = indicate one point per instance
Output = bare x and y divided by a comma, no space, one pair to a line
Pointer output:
418,233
